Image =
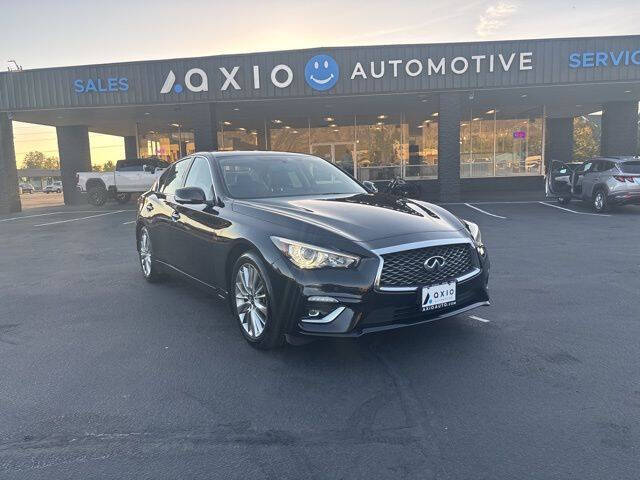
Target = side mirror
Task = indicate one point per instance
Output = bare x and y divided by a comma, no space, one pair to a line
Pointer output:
149,168
370,186
190,196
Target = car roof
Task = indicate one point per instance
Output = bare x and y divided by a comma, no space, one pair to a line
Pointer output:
617,158
251,153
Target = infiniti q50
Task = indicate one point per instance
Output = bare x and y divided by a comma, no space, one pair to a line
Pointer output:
299,248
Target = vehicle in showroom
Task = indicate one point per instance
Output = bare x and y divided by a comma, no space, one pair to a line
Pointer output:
603,182
26,188
55,187
300,248
130,176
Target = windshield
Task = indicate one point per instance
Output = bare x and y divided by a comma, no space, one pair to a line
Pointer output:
630,167
264,176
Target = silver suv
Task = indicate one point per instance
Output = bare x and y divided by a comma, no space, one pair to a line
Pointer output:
603,182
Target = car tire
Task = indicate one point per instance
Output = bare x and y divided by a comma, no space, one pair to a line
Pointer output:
123,198
252,303
564,200
599,201
97,195
150,269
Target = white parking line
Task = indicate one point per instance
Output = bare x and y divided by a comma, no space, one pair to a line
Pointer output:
573,211
485,212
81,218
47,214
480,319
128,223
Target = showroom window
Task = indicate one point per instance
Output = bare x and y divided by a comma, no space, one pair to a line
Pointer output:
496,144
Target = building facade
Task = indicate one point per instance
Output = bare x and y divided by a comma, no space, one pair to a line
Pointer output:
456,117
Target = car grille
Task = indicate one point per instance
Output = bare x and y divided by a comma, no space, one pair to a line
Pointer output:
406,268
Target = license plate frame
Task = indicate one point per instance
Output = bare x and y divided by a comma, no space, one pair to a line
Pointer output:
438,296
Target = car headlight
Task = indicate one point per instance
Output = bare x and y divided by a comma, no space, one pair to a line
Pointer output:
474,230
306,256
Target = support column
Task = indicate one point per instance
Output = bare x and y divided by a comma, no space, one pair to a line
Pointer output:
130,147
449,146
619,128
9,195
75,156
559,139
205,129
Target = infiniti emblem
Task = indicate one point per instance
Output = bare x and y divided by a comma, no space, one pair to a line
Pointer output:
435,263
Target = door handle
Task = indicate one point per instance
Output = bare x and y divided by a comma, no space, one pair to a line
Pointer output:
149,207
175,216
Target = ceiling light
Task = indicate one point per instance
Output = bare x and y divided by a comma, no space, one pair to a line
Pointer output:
627,91
294,131
424,100
226,122
382,117
147,113
336,129
177,125
242,129
427,121
524,95
287,126
490,112
379,123
277,121
332,125
420,126
253,132
464,124
435,114
477,118
236,109
328,119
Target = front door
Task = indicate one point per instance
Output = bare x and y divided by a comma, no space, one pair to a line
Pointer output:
341,154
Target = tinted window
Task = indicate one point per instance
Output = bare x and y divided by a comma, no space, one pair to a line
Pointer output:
630,167
200,176
172,179
587,167
261,176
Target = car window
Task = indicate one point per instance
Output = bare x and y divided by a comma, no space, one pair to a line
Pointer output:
258,176
200,176
129,166
587,167
630,167
172,179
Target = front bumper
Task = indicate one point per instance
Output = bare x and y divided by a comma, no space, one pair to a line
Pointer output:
353,313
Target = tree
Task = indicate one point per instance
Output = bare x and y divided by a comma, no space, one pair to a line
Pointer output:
96,168
586,138
33,159
52,163
108,166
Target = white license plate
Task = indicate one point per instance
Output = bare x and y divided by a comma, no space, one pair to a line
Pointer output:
438,296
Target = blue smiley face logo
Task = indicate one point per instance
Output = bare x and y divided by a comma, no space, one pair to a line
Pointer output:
321,72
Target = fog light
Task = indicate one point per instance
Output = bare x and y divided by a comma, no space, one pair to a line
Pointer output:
313,313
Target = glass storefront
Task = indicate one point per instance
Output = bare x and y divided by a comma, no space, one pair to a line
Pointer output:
497,145
377,146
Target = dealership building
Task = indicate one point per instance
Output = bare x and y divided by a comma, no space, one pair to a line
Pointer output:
458,118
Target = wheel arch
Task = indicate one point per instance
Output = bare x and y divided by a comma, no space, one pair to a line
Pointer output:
95,182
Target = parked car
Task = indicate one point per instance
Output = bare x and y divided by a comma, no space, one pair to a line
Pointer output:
603,182
130,176
300,248
26,188
53,187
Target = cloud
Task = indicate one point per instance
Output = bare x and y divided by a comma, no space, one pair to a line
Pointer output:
494,17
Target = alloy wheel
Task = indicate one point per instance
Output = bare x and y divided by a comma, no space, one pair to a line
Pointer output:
145,253
599,201
251,300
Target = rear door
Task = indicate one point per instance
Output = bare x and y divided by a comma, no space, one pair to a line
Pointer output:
128,176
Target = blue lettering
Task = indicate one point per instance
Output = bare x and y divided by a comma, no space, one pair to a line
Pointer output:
635,57
101,89
601,59
626,57
616,60
587,59
124,84
574,60
113,84
78,86
91,87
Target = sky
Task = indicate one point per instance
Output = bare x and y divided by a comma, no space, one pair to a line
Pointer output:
51,33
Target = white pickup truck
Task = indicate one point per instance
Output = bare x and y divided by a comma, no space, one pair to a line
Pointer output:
130,176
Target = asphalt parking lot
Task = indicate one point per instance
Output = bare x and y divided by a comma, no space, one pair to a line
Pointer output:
106,376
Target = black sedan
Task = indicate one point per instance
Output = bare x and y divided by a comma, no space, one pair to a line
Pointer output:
300,248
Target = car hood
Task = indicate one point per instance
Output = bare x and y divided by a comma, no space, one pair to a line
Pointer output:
360,217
